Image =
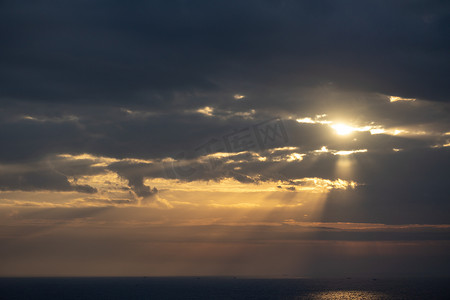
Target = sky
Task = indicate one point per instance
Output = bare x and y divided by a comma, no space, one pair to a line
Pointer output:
238,138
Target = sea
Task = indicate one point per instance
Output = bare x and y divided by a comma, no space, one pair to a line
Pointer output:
221,288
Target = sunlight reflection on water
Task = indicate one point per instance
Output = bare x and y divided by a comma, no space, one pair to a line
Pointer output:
353,295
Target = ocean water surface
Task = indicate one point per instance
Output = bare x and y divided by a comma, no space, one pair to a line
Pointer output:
221,288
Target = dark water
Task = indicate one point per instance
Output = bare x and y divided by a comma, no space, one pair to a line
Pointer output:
221,288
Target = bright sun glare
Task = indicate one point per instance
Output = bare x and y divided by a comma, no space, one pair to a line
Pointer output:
342,129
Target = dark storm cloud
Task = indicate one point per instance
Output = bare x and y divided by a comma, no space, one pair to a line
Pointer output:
90,59
40,180
49,173
158,53
107,132
75,66
30,133
135,177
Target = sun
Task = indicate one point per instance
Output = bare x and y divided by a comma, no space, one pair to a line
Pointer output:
342,129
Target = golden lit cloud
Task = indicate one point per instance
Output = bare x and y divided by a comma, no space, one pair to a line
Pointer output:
346,129
341,128
348,152
207,111
318,119
102,159
324,149
232,185
295,157
395,99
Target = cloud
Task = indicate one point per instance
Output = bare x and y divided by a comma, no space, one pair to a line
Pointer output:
134,174
91,52
36,180
126,93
